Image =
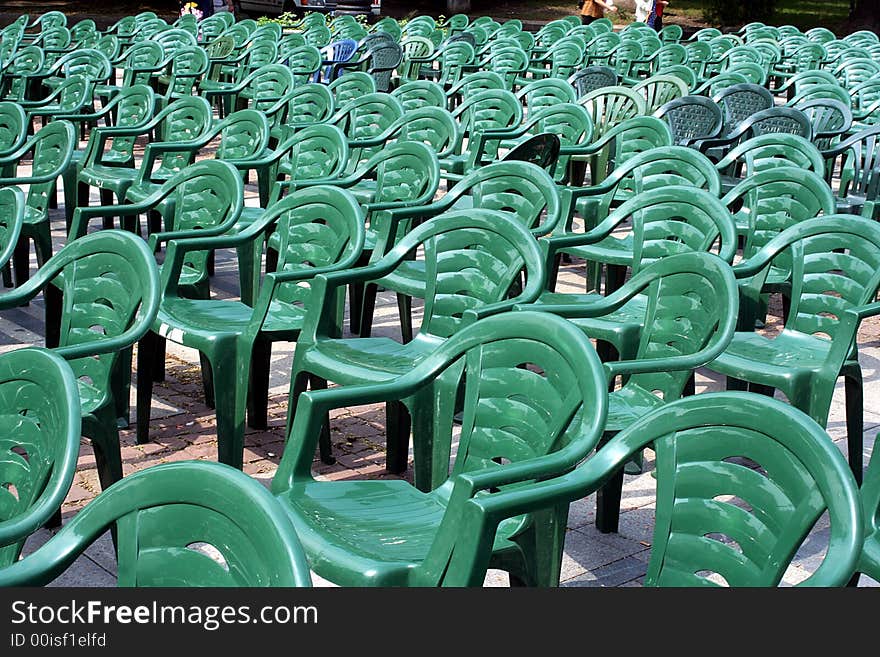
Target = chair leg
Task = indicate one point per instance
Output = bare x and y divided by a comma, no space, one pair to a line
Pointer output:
404,310
21,261
106,200
854,421
397,429
53,300
325,447
7,275
356,299
367,308
230,391
258,394
208,381
54,520
101,428
120,384
608,504
146,358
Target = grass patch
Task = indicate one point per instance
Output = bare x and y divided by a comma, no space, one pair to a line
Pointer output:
803,14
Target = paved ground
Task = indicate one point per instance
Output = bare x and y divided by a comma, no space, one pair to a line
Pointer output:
183,427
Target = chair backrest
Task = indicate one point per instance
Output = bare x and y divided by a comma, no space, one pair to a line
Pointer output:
609,106
660,89
432,126
657,168
741,480
13,127
316,228
860,161
488,110
40,411
830,119
631,137
522,190
542,150
775,119
52,148
835,268
420,93
384,58
740,101
691,117
367,116
351,86
774,149
545,93
110,285
471,258
265,85
310,103
192,523
303,62
316,151
184,120
591,78
776,198
12,211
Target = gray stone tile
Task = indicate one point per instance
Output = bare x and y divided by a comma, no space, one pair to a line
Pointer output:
85,572
624,571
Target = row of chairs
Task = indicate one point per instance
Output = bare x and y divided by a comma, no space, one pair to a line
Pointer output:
447,318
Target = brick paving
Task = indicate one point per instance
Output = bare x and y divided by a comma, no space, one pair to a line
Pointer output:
183,427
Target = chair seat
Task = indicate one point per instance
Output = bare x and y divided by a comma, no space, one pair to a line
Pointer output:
116,179
408,279
196,322
359,360
776,362
370,532
621,327
628,404
611,250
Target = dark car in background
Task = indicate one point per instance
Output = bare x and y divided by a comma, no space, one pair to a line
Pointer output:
256,8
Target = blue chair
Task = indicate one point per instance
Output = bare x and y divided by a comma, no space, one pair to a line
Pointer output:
338,52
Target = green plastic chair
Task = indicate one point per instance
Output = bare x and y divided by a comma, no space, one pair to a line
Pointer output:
830,119
365,117
674,219
834,262
568,121
609,106
303,62
703,534
261,90
858,158
72,96
472,257
179,524
432,126
592,78
473,83
183,120
188,67
773,149
540,94
691,119
521,190
768,202
318,230
486,110
40,445
102,294
351,86
205,196
690,318
524,417
51,149
309,104
13,127
773,120
740,101
243,140
624,140
660,89
420,93
131,106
